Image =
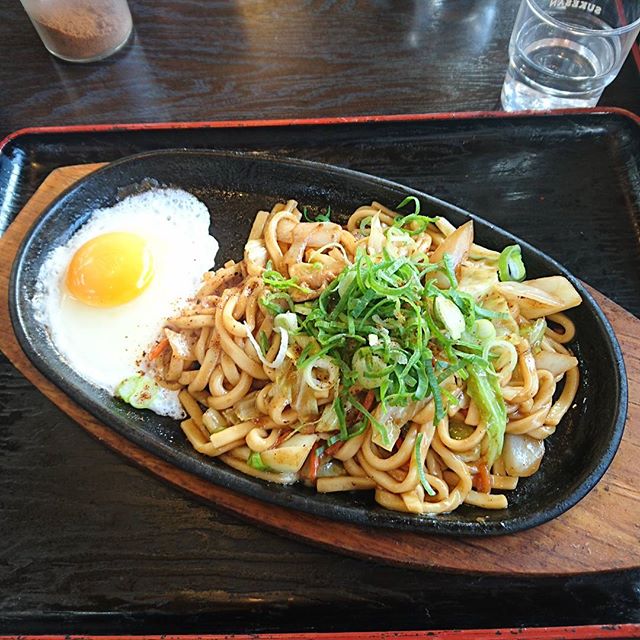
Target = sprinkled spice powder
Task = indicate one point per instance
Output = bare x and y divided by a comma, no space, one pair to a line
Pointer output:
82,30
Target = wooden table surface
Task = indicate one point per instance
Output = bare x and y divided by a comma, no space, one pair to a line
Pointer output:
232,59
90,543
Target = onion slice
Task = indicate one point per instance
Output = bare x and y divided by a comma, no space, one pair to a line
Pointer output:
282,351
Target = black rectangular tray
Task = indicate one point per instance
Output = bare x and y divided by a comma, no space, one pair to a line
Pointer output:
92,545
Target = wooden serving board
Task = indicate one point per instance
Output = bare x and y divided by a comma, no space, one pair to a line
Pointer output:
601,533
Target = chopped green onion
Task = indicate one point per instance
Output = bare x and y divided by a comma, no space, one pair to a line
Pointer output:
364,222
255,460
321,217
287,321
407,200
359,428
481,312
339,409
374,423
268,301
420,464
388,327
436,391
450,316
510,265
484,330
263,341
452,400
414,223
449,270
275,280
369,367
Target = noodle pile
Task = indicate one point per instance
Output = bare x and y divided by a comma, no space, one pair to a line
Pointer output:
392,355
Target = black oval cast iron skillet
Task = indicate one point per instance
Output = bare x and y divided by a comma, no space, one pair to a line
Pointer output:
234,186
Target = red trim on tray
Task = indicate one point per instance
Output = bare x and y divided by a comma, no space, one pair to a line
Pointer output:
591,632
283,122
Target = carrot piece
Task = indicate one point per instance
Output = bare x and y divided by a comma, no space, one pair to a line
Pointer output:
368,400
333,449
482,480
158,349
314,464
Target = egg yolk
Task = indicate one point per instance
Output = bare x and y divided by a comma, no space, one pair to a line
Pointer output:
110,269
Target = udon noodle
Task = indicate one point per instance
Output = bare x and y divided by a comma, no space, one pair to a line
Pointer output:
392,354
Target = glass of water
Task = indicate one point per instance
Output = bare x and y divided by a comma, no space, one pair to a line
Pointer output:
563,53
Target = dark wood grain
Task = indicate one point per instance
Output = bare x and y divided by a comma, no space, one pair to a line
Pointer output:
192,60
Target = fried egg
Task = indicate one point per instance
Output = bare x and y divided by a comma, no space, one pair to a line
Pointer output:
105,294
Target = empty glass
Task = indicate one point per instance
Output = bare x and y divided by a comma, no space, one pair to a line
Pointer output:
563,53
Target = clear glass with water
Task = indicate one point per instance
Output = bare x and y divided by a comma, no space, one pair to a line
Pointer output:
563,53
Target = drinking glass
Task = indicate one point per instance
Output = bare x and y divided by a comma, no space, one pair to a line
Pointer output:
563,53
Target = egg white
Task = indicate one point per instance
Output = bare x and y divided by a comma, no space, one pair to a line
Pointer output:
106,345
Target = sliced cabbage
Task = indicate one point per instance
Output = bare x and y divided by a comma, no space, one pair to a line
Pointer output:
541,297
213,420
255,257
291,454
376,240
179,344
457,245
477,280
305,402
505,324
246,408
231,416
393,419
534,332
329,420
255,460
556,363
484,390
